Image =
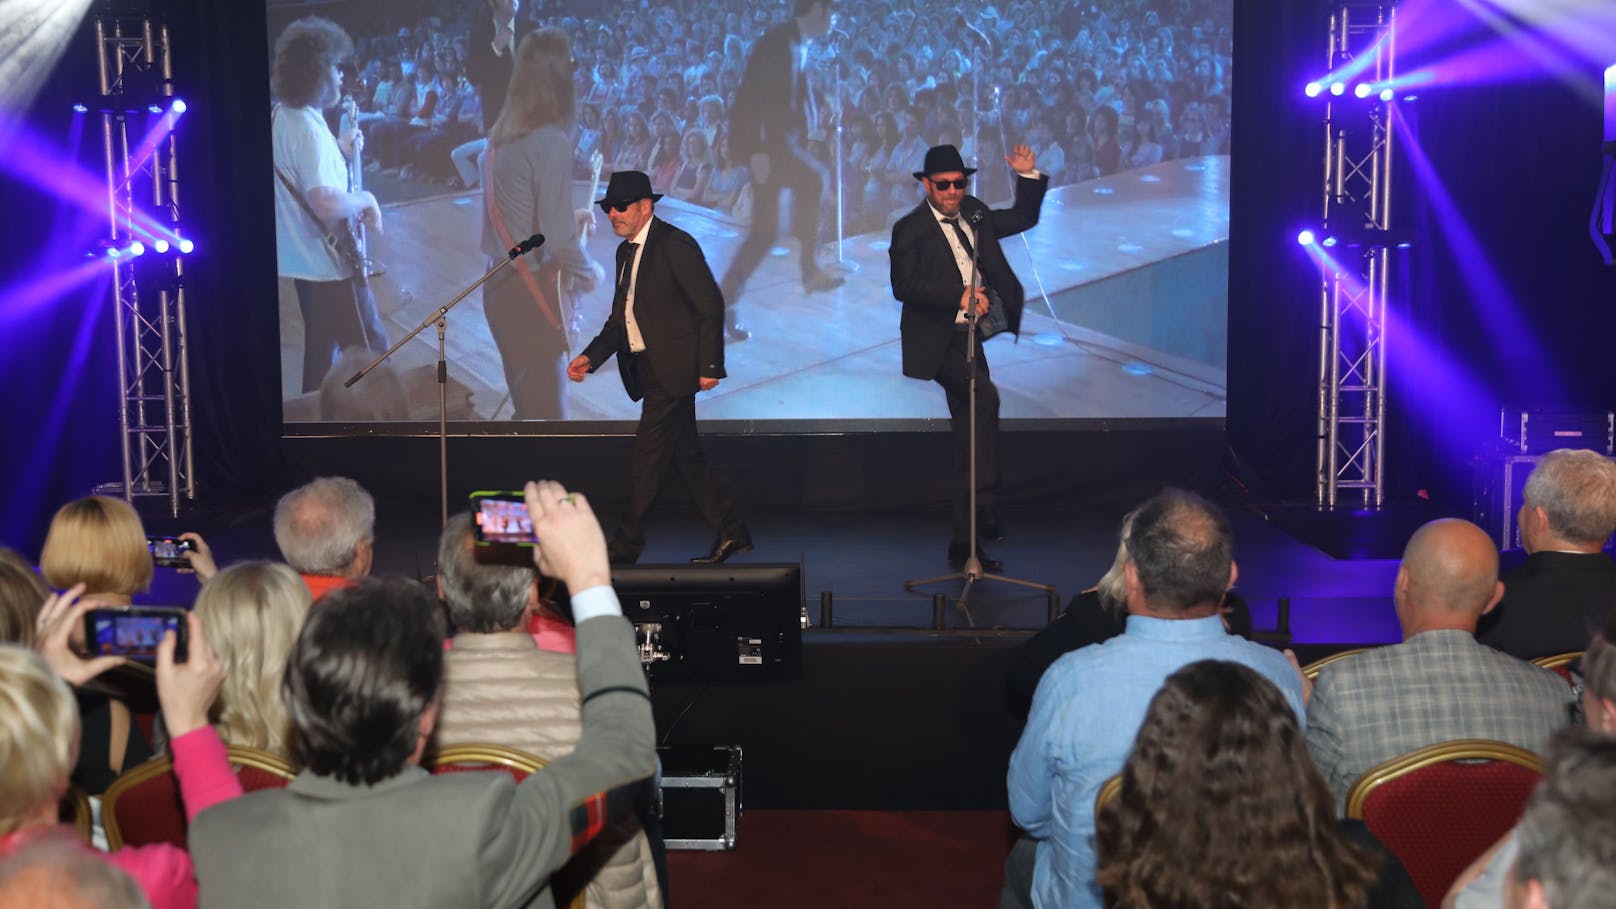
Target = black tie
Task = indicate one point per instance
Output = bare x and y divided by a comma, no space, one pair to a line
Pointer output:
625,267
970,251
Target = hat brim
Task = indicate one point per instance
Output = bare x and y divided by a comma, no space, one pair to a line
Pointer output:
921,175
610,201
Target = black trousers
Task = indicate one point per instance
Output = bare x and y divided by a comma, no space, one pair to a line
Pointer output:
955,377
530,349
787,170
666,437
336,315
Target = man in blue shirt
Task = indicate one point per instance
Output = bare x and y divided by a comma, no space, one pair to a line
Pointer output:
1090,703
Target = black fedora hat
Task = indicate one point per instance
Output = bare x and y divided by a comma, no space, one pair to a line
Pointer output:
943,159
628,186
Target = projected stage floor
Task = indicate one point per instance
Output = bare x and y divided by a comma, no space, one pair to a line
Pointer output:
1126,312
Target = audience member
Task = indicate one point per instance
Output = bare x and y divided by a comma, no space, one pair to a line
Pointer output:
1567,585
251,614
499,687
1180,564
39,732
55,871
1220,771
1568,832
1439,684
21,595
99,542
1095,615
326,531
1481,886
362,688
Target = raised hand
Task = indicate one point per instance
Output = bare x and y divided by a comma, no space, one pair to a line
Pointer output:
54,626
1021,159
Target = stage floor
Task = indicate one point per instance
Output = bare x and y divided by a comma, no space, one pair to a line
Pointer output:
834,355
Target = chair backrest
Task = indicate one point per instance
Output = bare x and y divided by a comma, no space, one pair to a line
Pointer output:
1311,670
483,756
75,810
1560,664
519,764
1108,791
1440,807
143,806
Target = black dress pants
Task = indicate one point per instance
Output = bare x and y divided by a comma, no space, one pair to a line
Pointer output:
955,377
666,436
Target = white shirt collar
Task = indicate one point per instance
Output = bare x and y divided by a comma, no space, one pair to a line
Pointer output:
645,231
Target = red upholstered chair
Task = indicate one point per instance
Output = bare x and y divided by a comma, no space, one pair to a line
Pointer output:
1440,807
142,806
75,810
1560,664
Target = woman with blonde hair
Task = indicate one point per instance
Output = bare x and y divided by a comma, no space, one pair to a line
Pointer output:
39,736
100,543
252,614
527,189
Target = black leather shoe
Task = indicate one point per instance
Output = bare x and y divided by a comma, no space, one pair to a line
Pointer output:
957,553
622,553
730,542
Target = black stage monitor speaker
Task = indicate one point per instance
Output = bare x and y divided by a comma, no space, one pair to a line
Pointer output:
715,622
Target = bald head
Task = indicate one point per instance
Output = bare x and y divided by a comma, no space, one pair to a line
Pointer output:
1449,577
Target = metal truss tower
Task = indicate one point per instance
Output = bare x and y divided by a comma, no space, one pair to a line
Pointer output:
154,419
1358,138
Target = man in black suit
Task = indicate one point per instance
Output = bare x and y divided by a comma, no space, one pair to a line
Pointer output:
932,252
496,32
774,118
667,330
1566,588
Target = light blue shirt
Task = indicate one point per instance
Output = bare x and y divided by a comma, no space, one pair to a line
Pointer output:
593,603
1087,710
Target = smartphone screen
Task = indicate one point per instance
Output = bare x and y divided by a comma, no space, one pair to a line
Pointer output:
501,517
169,552
135,632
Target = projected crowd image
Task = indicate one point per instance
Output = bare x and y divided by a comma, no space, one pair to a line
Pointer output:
784,137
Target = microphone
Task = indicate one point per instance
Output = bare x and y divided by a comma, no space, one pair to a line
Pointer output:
528,245
961,23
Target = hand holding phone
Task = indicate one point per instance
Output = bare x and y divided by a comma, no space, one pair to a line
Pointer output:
169,552
135,632
61,614
501,518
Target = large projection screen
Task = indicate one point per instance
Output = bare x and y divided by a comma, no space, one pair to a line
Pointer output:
1125,102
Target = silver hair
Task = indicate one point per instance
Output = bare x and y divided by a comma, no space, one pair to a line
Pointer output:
1577,491
318,526
56,869
1113,586
482,598
1568,833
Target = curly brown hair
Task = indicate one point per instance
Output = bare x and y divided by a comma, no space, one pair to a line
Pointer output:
304,55
1221,806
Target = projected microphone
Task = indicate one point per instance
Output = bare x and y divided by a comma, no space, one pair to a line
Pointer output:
961,23
528,245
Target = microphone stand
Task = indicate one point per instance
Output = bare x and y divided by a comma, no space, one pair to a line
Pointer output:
972,571
440,317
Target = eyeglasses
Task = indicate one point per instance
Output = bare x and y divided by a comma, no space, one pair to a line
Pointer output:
619,207
961,183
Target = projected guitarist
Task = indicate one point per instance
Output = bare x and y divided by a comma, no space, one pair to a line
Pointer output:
314,243
527,189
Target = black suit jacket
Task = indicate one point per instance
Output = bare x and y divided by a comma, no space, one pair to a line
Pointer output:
769,115
1553,602
680,311
927,282
489,72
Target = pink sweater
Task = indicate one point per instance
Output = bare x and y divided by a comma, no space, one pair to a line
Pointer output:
164,872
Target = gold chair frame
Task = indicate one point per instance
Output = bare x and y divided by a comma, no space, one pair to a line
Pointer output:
1108,791
1311,670
1440,753
487,753
1555,661
238,755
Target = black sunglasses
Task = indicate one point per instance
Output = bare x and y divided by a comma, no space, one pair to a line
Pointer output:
619,207
961,183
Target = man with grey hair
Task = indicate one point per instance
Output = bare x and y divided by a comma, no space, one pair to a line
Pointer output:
1568,833
500,687
1566,586
58,873
1090,703
1439,684
326,531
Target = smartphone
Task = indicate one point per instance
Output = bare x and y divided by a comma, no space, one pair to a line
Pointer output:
135,632
169,552
501,517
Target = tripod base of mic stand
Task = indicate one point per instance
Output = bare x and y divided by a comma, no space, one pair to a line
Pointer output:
972,572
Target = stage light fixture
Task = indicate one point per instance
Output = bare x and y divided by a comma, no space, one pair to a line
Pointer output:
1338,88
1386,94
1329,242
160,245
81,108
186,246
114,252
137,248
1305,238
179,106
1361,90
1313,89
153,108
